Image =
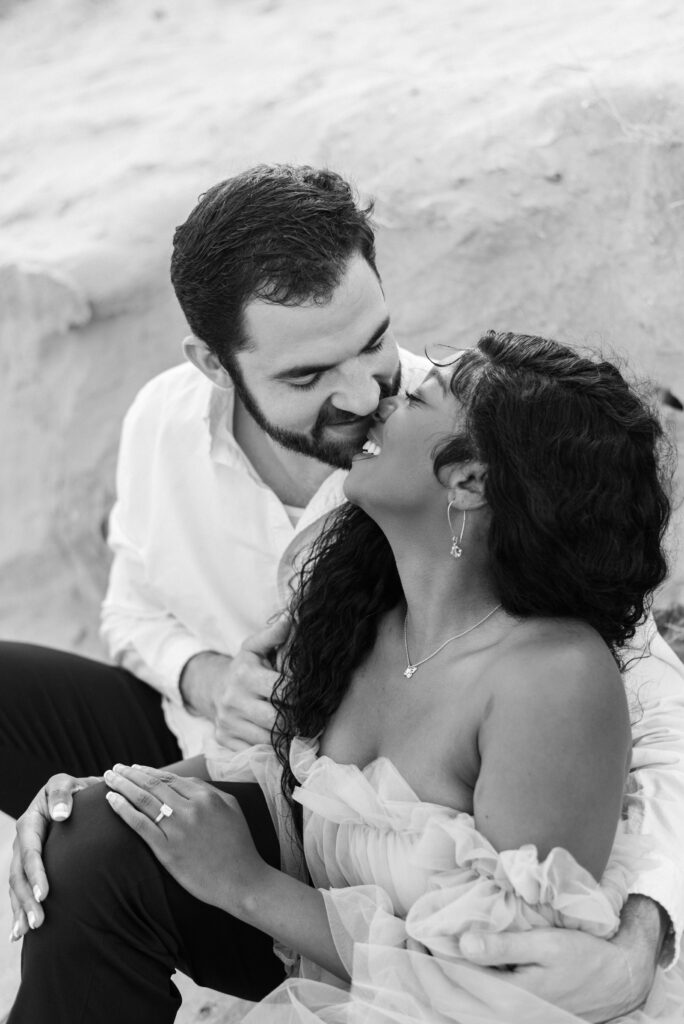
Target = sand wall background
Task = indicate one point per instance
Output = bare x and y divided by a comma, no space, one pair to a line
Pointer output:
527,160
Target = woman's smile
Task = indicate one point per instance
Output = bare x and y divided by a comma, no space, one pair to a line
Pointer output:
404,432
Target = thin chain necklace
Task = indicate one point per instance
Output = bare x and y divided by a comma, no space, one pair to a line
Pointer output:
411,667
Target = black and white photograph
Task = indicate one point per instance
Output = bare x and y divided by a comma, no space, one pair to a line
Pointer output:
342,525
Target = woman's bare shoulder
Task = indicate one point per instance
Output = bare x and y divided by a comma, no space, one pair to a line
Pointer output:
556,670
554,741
543,652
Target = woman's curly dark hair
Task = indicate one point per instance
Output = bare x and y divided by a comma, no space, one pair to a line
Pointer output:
576,486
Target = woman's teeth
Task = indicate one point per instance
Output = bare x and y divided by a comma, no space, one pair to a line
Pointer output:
371,448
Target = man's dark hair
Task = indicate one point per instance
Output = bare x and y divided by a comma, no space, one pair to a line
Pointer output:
278,233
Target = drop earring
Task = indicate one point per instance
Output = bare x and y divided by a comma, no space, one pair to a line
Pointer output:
456,549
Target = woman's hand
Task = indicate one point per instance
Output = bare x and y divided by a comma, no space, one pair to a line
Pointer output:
27,880
204,843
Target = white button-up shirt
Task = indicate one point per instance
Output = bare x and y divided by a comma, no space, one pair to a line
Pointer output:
203,550
197,537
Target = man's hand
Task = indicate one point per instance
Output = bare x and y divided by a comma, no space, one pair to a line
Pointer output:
28,881
596,979
235,693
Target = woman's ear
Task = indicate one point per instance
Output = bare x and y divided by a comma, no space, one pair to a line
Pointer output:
466,484
201,356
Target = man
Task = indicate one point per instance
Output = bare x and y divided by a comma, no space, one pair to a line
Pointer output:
220,472
224,476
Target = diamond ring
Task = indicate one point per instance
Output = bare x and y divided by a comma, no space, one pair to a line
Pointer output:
164,812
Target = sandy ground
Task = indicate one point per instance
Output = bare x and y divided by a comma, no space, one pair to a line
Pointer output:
526,160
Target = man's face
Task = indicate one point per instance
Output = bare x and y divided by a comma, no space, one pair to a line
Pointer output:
315,374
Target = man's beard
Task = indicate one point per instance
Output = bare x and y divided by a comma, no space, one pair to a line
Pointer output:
315,445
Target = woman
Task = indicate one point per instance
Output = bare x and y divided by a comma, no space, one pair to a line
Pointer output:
450,689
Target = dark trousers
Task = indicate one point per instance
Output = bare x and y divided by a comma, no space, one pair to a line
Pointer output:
63,713
116,925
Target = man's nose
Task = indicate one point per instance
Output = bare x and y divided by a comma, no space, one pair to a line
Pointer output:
359,393
386,408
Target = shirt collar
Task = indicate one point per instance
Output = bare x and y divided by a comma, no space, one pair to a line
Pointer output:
218,418
224,448
219,411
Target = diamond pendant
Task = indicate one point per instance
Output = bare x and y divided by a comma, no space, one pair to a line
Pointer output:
456,550
409,670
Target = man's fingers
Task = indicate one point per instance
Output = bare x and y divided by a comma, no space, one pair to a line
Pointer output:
505,949
260,713
236,736
256,680
270,638
250,680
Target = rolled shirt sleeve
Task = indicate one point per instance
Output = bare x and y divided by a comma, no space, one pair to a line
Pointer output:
139,633
654,801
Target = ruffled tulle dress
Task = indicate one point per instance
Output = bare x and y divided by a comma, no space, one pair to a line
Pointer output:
402,880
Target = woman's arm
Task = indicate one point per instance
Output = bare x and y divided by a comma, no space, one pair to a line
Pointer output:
292,912
206,845
554,755
555,749
29,885
595,978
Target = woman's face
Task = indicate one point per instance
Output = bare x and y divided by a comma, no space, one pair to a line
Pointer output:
395,469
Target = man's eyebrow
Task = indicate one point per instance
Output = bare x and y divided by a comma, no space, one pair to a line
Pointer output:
306,370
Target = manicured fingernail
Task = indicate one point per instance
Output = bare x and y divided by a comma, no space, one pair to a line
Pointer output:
33,923
471,945
140,766
109,776
117,767
37,894
15,933
113,799
60,812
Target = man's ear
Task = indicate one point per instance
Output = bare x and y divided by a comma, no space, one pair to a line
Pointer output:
466,484
201,356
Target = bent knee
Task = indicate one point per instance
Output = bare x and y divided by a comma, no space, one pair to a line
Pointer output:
93,850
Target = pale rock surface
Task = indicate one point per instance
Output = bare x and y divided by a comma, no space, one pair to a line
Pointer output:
526,160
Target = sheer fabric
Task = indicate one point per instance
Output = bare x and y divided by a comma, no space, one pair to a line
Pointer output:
402,879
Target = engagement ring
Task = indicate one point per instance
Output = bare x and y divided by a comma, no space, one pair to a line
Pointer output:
164,812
